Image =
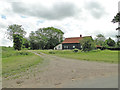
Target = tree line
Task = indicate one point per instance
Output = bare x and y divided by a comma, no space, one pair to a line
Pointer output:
43,38
49,37
99,42
89,44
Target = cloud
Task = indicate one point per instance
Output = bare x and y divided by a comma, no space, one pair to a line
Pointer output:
5,41
95,9
57,11
73,17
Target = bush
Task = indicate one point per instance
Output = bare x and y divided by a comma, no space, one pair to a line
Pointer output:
75,50
15,53
98,49
87,44
51,52
22,53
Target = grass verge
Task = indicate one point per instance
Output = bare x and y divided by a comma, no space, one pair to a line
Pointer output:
95,55
14,62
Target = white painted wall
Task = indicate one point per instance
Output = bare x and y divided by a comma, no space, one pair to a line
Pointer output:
58,47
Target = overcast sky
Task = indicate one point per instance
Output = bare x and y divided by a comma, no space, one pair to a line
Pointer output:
73,17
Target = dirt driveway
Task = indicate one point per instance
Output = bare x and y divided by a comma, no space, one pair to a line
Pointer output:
57,72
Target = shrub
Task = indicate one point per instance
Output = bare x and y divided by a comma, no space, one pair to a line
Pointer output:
75,50
87,44
98,49
51,52
22,53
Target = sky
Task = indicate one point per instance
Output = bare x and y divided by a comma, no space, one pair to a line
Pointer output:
73,17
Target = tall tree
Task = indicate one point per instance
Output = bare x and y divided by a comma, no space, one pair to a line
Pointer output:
26,43
46,38
116,19
15,29
110,42
17,41
118,44
100,39
16,33
87,44
34,41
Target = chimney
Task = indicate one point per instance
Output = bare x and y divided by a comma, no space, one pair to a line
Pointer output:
80,35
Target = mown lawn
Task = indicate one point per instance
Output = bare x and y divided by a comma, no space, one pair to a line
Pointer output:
14,62
95,55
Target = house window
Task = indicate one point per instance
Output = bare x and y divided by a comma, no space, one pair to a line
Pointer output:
73,46
58,46
66,47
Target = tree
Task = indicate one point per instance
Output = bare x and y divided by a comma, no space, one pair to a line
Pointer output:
87,44
110,42
15,29
26,43
99,39
116,19
17,41
52,42
16,33
46,38
118,44
34,41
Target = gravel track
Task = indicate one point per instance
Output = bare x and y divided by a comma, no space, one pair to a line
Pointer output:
57,72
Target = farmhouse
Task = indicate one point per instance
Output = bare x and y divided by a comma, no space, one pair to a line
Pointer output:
71,43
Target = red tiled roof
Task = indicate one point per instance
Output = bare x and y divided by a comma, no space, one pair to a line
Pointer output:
73,39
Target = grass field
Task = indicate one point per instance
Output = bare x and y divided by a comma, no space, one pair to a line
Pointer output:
95,55
14,62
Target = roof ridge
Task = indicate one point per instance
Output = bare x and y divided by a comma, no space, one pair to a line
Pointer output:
74,39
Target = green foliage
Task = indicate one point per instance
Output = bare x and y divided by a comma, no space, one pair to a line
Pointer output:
26,43
22,53
118,44
52,42
94,55
16,33
45,38
55,51
14,62
87,44
8,52
75,50
17,64
100,40
116,18
100,35
17,41
15,29
110,42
